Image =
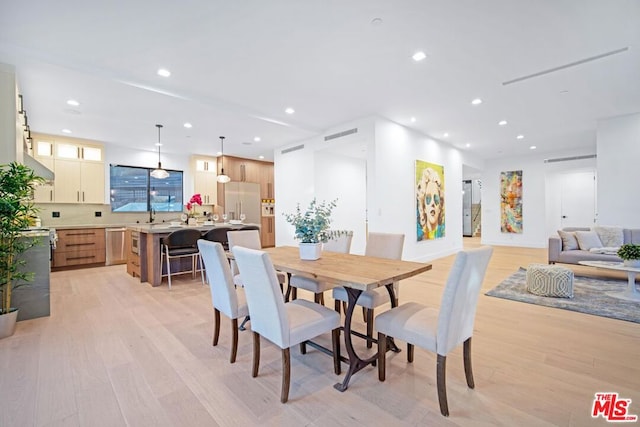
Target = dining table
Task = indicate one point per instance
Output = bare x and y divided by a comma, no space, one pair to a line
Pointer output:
356,273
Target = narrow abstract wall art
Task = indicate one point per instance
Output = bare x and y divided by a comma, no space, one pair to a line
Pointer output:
429,201
511,202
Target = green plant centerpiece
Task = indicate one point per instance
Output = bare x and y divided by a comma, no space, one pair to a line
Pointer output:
17,211
630,254
312,227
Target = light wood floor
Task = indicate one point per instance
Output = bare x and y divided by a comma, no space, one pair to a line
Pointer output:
115,352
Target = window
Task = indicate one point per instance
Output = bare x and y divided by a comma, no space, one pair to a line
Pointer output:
133,189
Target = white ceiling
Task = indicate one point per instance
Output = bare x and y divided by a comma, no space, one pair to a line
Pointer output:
236,65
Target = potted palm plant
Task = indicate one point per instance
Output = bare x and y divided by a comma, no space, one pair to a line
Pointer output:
311,227
17,211
630,255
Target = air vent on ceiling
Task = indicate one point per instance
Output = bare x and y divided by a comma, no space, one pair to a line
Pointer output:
564,66
341,134
566,159
296,148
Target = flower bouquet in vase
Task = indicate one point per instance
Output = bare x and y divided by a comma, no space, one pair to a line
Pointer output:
196,199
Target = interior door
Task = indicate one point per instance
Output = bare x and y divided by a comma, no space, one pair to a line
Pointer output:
578,204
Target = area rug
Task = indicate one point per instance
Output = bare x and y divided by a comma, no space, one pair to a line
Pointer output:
589,296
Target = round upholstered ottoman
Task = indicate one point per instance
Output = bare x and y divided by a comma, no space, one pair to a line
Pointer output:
549,280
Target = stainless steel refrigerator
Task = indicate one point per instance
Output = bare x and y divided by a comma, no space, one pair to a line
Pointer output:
242,197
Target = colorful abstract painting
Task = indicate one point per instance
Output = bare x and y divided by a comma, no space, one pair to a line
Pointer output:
511,202
429,201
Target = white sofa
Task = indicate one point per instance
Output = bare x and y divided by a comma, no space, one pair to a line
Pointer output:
558,254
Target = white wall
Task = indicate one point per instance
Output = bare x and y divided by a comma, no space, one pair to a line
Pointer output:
393,205
324,170
294,182
392,150
540,197
331,172
618,162
8,110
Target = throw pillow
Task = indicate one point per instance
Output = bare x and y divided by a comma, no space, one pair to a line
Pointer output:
569,242
588,240
610,236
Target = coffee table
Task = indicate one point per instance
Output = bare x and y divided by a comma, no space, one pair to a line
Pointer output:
631,293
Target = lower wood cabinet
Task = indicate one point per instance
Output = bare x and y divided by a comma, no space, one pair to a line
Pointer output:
131,248
268,232
79,246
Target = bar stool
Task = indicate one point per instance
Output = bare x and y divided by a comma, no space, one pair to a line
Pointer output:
218,234
179,244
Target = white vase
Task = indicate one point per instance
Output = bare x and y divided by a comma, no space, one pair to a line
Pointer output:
635,263
310,251
8,323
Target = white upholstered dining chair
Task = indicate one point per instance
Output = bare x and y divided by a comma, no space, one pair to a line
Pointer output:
284,324
340,243
439,331
247,239
225,297
381,245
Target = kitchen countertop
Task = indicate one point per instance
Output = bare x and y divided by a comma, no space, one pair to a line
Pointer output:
167,228
36,232
77,226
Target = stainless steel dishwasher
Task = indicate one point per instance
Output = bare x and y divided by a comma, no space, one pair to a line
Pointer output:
115,246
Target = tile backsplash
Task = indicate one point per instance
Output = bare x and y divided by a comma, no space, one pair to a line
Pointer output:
90,214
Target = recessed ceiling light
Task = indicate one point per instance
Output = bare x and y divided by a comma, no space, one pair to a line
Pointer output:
219,153
164,72
261,157
445,135
476,101
533,147
256,139
520,137
158,144
73,102
468,145
502,122
188,125
564,92
289,110
247,143
66,131
413,119
419,56
376,21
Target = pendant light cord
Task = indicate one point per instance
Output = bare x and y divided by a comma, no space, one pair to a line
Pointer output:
222,154
159,127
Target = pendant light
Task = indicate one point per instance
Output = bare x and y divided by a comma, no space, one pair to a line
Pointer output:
222,178
159,173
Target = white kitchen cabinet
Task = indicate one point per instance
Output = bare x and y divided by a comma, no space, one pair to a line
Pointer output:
204,179
43,150
44,193
92,182
78,166
67,150
78,182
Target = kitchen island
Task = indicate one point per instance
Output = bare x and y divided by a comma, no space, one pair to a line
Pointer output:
143,248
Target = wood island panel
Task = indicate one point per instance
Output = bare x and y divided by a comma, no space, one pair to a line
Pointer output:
149,252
